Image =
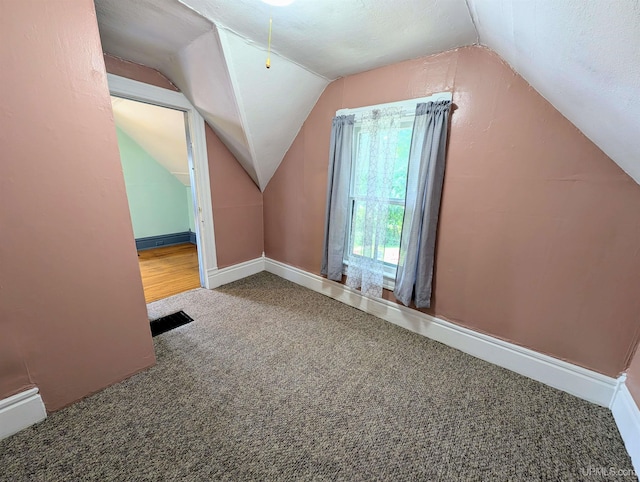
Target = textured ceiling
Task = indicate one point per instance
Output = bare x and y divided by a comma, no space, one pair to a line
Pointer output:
148,31
582,56
335,38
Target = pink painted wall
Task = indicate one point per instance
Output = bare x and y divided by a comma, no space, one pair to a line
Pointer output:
633,377
141,73
538,229
237,206
72,314
235,199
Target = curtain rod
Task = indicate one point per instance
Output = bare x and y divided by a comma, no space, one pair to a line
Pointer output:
403,103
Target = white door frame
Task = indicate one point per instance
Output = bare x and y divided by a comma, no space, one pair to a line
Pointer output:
198,161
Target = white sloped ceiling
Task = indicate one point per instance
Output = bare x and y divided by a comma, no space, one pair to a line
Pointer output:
275,102
147,31
335,38
582,56
200,71
255,111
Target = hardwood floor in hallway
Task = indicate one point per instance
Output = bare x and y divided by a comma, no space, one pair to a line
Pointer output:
168,270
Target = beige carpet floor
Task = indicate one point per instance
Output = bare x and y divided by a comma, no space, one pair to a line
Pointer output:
275,382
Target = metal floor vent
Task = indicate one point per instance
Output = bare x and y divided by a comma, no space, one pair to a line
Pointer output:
169,322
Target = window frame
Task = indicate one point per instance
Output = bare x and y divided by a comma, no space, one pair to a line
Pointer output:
409,107
390,269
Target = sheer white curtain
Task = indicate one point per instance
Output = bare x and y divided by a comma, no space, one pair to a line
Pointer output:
376,150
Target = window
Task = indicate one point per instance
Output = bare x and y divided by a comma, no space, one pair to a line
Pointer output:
369,171
392,140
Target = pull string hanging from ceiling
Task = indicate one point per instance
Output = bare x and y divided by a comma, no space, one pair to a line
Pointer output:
277,3
269,44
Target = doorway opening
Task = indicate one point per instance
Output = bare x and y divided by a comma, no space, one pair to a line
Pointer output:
163,150
155,163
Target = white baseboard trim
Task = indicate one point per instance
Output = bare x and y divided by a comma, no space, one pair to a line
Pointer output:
578,381
627,416
218,277
20,411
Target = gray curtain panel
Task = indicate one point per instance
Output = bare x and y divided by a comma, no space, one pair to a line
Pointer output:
335,227
422,204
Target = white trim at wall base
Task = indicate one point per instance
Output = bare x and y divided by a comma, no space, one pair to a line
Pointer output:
21,411
578,381
627,416
222,276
